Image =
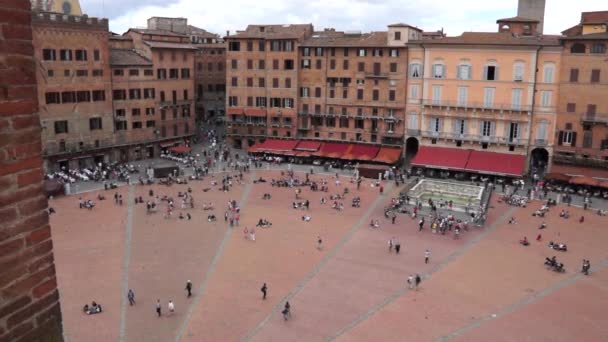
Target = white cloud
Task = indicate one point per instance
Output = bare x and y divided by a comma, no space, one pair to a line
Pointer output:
366,15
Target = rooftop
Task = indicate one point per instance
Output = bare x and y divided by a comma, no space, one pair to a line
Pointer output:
492,38
404,25
193,30
517,19
342,39
590,36
156,32
120,57
598,17
169,45
288,31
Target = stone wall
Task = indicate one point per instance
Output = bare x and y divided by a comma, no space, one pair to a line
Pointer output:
29,300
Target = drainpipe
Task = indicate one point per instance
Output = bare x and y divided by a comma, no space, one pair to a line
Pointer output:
407,84
531,122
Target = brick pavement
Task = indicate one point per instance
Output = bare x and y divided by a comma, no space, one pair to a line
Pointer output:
493,275
352,290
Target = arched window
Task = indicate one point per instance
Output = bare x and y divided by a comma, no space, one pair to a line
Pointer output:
490,71
463,71
548,72
438,69
598,48
518,70
505,27
415,69
577,48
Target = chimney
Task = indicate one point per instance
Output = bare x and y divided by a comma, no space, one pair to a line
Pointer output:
227,33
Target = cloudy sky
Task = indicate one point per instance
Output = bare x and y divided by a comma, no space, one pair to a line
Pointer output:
365,15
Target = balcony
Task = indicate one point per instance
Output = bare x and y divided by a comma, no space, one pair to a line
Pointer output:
476,106
376,75
472,138
413,132
304,127
594,118
579,161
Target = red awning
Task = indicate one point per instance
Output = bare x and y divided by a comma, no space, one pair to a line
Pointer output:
503,164
278,146
234,111
180,149
441,158
332,150
584,181
304,154
572,170
388,155
255,112
362,152
308,146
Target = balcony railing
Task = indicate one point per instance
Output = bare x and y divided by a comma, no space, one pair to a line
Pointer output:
376,74
476,105
579,161
594,118
473,137
413,132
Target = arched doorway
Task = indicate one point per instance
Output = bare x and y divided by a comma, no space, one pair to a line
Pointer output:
539,160
411,148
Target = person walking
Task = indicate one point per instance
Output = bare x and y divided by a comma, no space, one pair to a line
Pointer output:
420,224
410,282
131,297
286,311
427,256
397,247
319,243
171,307
390,244
189,288
418,280
393,218
264,290
158,308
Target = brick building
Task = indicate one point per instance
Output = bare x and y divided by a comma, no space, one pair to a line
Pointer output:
210,79
262,81
352,85
172,57
74,88
582,127
29,299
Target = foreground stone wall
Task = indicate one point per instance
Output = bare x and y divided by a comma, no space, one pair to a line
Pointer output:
29,299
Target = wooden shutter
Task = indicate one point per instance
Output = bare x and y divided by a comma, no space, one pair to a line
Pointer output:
485,72
560,138
573,139
496,73
458,75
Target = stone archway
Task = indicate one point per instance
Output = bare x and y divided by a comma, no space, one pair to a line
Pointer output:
411,148
539,160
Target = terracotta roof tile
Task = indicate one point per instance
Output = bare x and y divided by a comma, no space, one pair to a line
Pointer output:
169,45
193,30
342,39
590,36
518,19
120,57
157,32
594,17
293,31
404,25
492,38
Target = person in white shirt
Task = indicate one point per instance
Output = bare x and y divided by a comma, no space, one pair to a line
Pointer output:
171,307
427,256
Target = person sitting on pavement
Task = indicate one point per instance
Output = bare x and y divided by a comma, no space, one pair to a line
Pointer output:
524,241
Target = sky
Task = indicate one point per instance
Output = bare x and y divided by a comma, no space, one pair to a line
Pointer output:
454,16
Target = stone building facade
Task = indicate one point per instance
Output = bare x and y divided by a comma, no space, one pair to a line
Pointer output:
74,89
582,125
29,299
487,91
